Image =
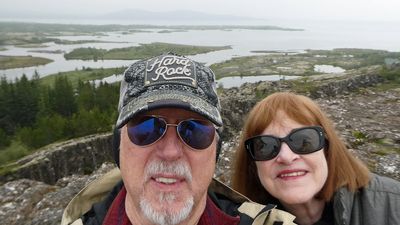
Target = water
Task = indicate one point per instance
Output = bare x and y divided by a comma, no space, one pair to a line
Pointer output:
225,82
328,69
322,35
229,82
110,79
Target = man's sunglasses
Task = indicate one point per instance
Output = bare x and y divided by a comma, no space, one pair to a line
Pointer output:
195,133
303,140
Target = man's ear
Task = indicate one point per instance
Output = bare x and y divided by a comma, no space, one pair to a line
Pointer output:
116,139
219,144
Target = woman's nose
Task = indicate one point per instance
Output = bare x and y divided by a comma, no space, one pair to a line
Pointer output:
286,155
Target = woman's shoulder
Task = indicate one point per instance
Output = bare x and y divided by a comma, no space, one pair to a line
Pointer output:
377,202
383,184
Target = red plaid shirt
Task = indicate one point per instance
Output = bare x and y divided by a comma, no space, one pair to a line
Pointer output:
212,215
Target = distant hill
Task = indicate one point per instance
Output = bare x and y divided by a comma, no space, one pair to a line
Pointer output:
135,14
132,15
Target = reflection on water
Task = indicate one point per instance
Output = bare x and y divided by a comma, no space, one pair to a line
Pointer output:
226,82
328,69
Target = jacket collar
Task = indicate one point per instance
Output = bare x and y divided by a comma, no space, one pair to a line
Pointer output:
98,189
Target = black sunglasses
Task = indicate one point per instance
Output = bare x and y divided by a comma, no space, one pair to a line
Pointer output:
303,140
195,133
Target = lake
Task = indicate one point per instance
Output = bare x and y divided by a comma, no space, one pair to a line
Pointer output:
318,35
229,82
225,82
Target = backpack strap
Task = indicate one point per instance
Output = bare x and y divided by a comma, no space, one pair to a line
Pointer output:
266,215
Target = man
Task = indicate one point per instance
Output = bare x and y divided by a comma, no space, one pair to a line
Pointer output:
166,147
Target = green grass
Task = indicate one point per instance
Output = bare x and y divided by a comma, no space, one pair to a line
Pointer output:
392,75
13,152
392,80
9,62
302,85
171,31
385,87
232,67
386,150
385,146
68,42
34,45
83,75
358,134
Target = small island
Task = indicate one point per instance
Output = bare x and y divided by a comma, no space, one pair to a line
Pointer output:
139,52
10,62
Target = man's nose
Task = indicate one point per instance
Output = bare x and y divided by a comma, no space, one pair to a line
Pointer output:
170,147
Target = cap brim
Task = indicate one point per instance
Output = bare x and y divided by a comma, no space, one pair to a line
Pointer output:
173,99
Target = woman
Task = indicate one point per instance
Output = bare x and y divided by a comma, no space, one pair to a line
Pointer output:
291,155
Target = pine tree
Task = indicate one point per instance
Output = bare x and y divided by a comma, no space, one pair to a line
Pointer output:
85,96
6,123
62,97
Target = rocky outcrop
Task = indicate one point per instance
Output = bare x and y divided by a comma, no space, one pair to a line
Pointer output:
31,202
77,156
339,87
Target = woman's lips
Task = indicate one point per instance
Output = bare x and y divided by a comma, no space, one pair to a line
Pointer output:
291,174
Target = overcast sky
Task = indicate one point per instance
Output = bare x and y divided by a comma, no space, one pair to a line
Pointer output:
374,10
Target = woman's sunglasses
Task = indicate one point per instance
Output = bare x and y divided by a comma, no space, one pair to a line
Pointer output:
147,130
303,140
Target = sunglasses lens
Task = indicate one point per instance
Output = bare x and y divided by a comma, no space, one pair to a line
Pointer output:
197,134
305,141
301,141
146,130
263,147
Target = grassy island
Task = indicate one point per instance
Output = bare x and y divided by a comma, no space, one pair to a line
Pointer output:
86,74
139,52
10,62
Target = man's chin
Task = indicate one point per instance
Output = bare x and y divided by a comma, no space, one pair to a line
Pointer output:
167,209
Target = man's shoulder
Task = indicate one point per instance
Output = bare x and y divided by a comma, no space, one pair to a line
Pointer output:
93,200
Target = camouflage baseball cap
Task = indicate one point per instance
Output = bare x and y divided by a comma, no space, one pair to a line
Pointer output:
168,80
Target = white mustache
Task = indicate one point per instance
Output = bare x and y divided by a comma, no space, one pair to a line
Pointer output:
180,169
